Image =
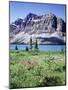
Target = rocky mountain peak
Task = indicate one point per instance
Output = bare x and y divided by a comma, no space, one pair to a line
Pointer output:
30,16
33,24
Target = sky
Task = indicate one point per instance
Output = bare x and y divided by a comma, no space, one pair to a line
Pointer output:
21,9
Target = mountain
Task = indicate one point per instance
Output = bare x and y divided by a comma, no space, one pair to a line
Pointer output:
48,29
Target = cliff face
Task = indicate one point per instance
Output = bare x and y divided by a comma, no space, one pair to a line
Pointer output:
47,28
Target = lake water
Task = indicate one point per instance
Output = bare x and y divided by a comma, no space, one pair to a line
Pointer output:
41,47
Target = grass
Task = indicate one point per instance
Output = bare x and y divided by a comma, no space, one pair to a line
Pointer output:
36,69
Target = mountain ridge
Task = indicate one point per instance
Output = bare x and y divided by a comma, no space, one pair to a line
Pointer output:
34,24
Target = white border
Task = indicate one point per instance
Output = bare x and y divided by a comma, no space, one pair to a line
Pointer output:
4,43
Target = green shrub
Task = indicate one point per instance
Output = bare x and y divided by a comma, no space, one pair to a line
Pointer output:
59,69
52,81
34,69
64,68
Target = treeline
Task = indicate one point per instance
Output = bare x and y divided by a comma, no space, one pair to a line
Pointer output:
31,46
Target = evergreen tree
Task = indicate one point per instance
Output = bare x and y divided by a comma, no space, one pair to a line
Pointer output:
27,48
31,43
16,48
36,45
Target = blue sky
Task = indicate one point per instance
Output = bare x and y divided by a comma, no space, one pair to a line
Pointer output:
21,9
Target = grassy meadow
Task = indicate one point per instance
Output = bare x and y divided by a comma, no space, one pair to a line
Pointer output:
36,69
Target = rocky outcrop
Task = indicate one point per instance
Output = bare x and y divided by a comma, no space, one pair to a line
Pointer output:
48,25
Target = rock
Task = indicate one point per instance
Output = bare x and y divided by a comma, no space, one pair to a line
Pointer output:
48,25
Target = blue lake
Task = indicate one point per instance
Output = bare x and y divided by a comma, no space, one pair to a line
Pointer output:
41,47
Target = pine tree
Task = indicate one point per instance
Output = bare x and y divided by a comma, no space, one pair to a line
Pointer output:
16,48
31,43
27,48
36,45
